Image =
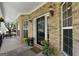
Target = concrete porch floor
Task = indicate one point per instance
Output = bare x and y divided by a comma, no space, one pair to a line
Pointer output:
21,52
11,47
9,44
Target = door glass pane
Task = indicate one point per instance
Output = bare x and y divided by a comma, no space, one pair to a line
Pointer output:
40,30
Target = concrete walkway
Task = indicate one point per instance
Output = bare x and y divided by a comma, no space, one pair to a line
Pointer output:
11,47
10,44
23,51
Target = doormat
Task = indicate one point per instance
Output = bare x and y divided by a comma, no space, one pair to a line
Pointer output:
36,49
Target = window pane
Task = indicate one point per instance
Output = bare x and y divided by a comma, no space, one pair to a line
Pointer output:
70,51
70,21
64,7
70,33
67,33
69,12
70,43
65,23
67,41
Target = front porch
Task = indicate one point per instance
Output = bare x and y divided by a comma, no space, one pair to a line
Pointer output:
11,46
55,23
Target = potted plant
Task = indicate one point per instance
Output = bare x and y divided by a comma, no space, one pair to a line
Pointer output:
30,41
27,41
46,49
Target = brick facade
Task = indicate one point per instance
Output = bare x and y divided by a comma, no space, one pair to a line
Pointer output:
55,25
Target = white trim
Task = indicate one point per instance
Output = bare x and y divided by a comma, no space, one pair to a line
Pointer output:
34,31
45,27
66,27
46,14
61,30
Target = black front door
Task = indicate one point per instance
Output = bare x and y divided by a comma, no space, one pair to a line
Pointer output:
40,29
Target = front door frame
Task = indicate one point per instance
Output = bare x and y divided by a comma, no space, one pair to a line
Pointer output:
35,27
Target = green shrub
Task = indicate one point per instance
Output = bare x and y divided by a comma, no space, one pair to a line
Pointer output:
46,49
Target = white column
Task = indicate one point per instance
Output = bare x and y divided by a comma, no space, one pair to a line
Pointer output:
45,27
34,31
0,12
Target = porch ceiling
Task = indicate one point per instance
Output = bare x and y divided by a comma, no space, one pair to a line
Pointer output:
11,10
23,7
